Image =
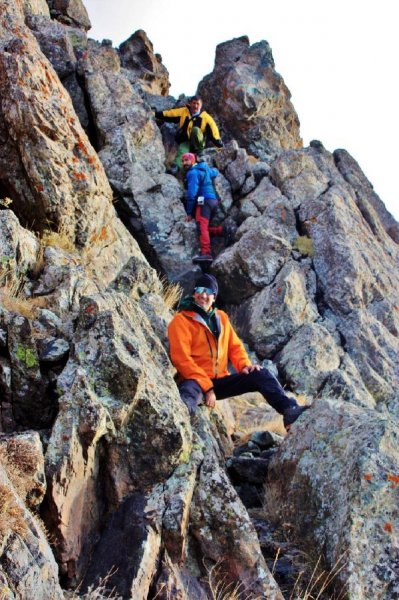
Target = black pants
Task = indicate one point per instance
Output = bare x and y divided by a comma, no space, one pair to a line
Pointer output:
234,385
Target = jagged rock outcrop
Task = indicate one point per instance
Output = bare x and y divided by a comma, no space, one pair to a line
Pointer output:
70,12
137,55
323,267
149,201
369,203
339,494
251,99
97,443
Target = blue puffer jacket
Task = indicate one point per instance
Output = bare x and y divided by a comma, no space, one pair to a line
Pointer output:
199,182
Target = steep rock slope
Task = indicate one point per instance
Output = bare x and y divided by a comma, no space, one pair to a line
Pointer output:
136,491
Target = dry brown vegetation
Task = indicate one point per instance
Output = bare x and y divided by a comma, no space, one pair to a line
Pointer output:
12,297
19,462
171,293
12,518
318,584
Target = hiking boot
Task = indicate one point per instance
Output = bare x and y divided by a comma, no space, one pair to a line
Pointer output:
229,234
291,414
173,170
202,258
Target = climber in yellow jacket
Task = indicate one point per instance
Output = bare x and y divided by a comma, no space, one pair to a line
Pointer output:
196,127
202,341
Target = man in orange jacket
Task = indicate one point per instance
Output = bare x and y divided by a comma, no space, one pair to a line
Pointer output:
202,341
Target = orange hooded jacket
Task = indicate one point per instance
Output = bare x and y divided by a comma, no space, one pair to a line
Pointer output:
198,355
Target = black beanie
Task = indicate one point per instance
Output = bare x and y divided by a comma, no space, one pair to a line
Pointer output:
208,281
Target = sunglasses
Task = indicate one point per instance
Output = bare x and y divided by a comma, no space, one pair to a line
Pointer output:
203,290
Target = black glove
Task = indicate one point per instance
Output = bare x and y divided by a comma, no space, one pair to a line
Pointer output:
219,143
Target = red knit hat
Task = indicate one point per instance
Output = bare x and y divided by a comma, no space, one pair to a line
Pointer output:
190,156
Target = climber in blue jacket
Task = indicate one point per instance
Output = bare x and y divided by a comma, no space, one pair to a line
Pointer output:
201,202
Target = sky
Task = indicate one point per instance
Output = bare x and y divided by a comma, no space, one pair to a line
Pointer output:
338,59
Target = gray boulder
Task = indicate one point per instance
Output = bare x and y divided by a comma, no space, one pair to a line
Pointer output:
339,494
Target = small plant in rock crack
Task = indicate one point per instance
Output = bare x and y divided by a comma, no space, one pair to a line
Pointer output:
221,588
99,592
171,292
13,298
320,583
12,516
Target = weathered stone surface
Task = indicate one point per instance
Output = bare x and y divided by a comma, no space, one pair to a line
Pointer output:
122,119
238,170
266,439
255,108
63,45
31,406
298,177
47,164
28,568
367,200
273,315
347,255
263,247
339,493
374,350
309,357
74,501
178,581
256,202
5,380
19,249
55,43
179,491
137,55
53,350
70,12
148,200
35,7
222,528
104,422
129,551
64,280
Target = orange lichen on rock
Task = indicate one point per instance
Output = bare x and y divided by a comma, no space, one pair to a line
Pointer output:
394,479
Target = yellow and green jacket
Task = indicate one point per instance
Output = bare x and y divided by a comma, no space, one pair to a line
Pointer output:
186,122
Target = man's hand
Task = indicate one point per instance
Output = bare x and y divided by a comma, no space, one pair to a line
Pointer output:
188,218
210,399
250,368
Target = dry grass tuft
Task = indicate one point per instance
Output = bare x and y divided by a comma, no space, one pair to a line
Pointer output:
12,517
320,582
172,293
101,592
19,462
12,297
58,239
222,589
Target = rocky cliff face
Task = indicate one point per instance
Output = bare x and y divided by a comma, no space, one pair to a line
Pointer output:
133,494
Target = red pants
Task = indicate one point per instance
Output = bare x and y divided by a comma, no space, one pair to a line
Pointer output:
203,214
